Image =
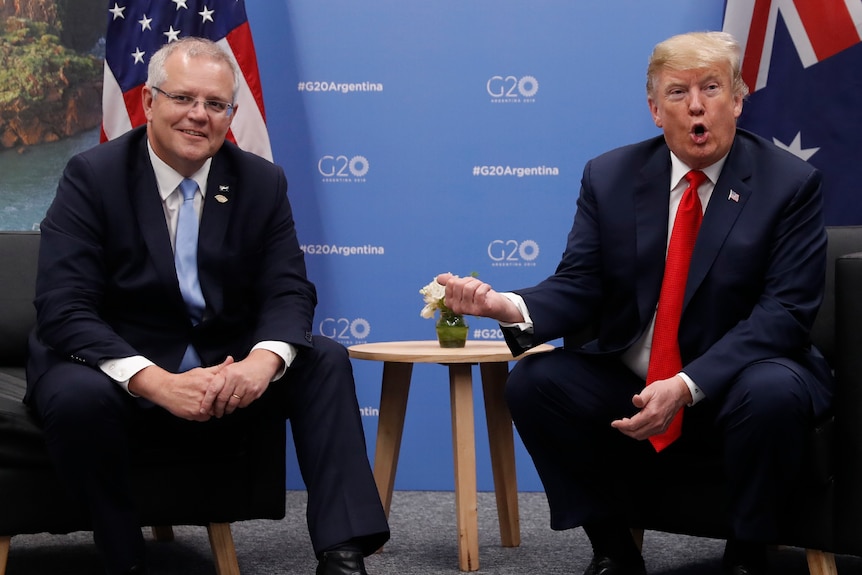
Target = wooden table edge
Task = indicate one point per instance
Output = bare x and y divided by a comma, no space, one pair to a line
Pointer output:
429,351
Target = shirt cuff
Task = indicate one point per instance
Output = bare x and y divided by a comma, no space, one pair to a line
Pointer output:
696,393
286,351
527,324
123,369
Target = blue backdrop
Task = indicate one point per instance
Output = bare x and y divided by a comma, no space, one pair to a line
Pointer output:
422,137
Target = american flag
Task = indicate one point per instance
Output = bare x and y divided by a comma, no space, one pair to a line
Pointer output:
802,62
137,28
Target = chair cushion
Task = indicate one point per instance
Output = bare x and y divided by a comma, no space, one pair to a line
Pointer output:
19,254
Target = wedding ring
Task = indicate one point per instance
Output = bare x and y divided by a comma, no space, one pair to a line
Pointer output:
235,395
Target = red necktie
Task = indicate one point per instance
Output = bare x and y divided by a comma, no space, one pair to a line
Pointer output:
664,359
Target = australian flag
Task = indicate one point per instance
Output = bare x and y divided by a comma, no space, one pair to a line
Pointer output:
137,28
803,65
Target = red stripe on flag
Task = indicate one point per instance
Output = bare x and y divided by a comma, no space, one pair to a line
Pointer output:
828,24
135,106
755,42
243,49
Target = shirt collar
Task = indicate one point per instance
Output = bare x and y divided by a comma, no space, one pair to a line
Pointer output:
678,170
168,179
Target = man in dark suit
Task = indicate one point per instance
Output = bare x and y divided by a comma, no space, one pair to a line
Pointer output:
745,373
127,335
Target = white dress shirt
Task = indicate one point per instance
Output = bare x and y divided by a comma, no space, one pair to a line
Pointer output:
168,180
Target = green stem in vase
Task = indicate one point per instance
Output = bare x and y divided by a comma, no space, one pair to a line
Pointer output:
451,329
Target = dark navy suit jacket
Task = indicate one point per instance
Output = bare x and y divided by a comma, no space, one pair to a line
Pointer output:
756,277
107,286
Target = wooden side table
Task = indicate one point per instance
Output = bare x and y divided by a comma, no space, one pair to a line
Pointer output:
398,358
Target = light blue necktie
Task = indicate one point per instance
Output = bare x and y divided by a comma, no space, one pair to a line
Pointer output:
186,262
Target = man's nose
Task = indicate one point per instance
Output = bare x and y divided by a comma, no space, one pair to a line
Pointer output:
198,109
695,101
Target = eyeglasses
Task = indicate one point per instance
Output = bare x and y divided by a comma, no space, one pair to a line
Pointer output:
214,107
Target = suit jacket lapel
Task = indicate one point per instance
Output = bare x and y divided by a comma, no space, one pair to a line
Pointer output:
726,203
151,218
652,196
218,206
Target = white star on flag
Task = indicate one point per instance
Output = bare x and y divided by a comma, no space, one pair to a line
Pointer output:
173,34
180,4
145,23
139,56
117,11
795,147
207,14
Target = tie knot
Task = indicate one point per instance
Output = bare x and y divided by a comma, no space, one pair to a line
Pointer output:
188,187
695,178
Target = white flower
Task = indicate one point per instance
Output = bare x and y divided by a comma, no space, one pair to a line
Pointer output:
433,294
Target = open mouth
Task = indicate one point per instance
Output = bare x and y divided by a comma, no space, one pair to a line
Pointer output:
698,133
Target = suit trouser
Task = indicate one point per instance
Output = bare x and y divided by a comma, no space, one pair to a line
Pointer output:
88,420
563,403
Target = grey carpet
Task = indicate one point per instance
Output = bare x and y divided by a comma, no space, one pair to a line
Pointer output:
424,542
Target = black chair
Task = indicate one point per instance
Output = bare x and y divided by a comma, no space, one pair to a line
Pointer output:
825,516
183,480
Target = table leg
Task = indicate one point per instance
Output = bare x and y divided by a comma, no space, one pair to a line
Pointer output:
390,426
502,443
464,448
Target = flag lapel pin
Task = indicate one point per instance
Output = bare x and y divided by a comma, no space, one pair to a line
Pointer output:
733,196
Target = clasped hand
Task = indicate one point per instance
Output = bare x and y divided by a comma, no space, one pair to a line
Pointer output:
205,392
658,403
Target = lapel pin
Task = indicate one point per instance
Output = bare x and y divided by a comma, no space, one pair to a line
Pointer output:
221,199
733,196
223,188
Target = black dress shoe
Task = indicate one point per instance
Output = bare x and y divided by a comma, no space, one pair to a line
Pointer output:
744,558
341,563
135,570
608,566
745,570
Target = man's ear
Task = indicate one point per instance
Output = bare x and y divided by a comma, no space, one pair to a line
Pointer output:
653,110
147,101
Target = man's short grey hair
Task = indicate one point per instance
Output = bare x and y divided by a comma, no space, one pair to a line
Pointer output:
193,47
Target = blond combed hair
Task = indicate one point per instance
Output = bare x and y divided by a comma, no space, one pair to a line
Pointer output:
697,50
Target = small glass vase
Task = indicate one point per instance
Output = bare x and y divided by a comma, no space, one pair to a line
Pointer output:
452,330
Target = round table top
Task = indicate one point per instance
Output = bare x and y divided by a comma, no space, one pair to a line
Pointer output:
430,352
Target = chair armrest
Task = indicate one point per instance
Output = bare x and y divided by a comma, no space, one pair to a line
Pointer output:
848,394
848,335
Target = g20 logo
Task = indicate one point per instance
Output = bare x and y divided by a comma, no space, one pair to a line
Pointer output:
513,251
342,166
345,329
512,87
485,333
